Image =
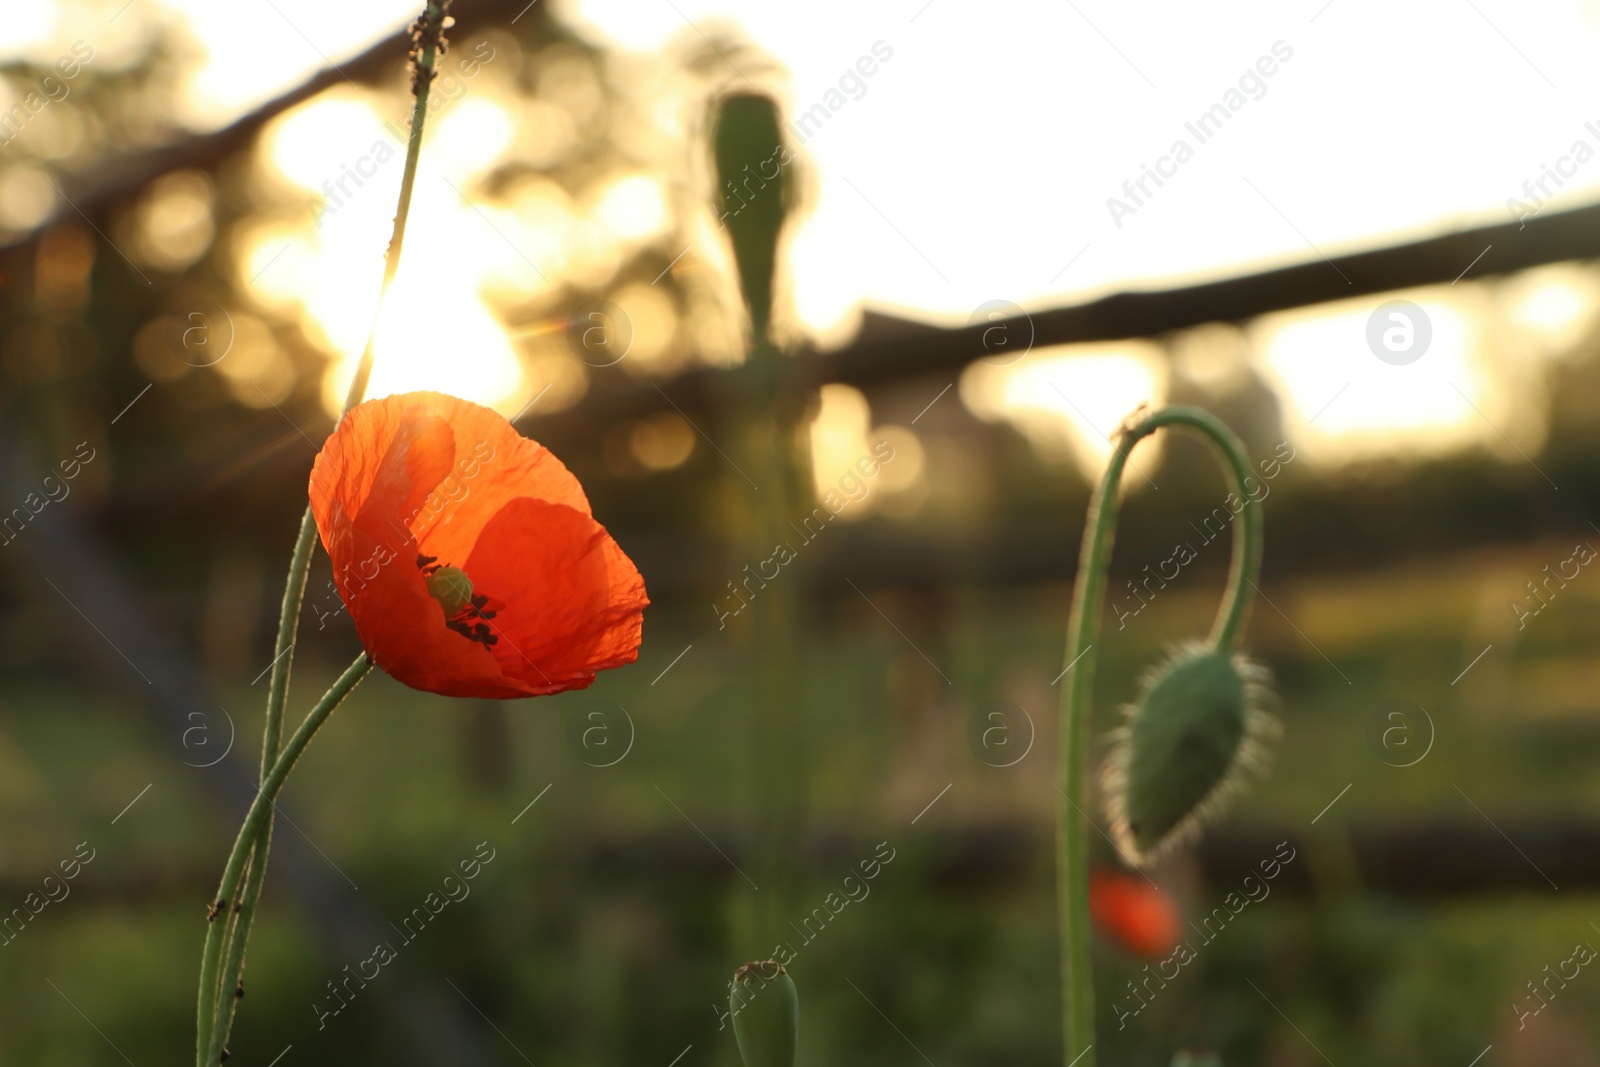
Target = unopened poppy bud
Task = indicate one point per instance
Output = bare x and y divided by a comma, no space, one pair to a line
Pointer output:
1197,728
451,587
752,195
766,1014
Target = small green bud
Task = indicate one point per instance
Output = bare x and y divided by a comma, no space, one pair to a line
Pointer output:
752,195
1187,742
766,1014
451,587
1185,1058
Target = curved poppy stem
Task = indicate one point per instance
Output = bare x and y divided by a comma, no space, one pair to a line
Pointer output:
1083,630
258,816
216,1009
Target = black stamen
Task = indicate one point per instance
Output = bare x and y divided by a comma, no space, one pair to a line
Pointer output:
476,632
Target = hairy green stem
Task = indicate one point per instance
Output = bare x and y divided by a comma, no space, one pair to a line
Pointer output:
218,986
260,812
1083,630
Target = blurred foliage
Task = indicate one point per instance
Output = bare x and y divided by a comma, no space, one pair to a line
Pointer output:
601,932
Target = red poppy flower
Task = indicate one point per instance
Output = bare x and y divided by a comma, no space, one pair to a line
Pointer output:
1135,914
466,553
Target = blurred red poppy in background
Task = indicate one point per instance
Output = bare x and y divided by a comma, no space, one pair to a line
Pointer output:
466,553
1138,916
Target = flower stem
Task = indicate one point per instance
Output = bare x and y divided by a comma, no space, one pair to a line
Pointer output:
258,816
1083,630
217,1001
426,32
237,931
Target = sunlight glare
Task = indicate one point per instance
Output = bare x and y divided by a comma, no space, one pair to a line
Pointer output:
633,207
298,142
469,137
841,436
436,330
1067,399
1342,403
1555,305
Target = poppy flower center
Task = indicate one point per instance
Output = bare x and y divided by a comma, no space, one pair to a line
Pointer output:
465,612
451,587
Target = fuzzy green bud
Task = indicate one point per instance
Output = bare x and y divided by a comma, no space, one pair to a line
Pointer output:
1196,728
766,1014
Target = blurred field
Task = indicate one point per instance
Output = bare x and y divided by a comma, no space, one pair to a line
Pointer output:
602,930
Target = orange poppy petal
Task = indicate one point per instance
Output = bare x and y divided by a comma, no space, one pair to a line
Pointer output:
1136,915
572,609
418,481
403,629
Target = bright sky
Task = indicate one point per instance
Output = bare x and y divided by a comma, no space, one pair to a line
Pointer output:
977,159
977,162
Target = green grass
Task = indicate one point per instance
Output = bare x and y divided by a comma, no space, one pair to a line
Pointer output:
579,963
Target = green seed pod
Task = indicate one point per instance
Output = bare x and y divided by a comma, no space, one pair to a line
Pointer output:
766,1014
451,587
753,193
1197,729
